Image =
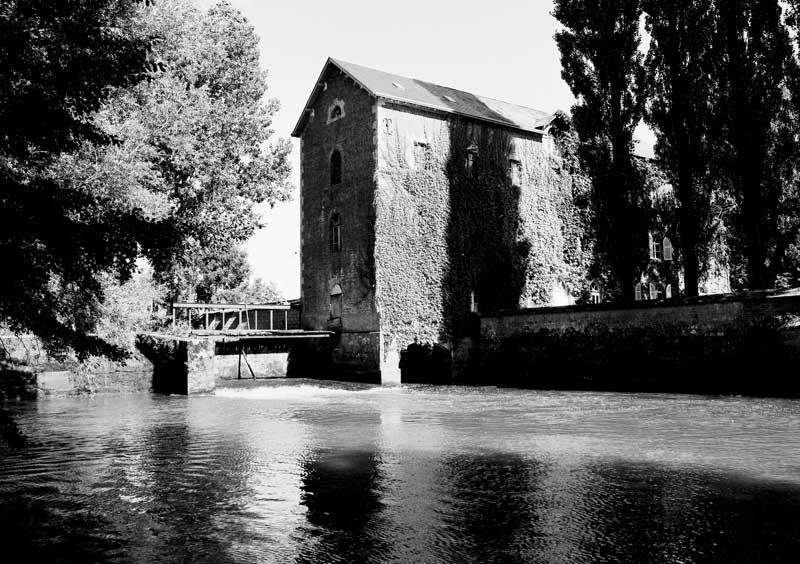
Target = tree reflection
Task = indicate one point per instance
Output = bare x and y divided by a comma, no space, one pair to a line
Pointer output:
494,515
342,493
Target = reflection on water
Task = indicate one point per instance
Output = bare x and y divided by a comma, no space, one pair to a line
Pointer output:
305,473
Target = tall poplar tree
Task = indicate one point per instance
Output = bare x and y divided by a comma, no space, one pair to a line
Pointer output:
681,93
754,58
604,68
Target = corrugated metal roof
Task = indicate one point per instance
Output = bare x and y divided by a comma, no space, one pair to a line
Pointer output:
435,97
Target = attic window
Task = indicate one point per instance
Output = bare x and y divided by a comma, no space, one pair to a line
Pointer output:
398,86
448,98
336,111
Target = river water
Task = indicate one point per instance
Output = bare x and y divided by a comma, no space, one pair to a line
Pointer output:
307,472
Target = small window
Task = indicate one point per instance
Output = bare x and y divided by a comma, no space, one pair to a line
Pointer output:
387,126
422,155
471,162
336,302
653,293
659,292
336,112
473,303
667,249
515,171
336,233
656,250
336,168
668,291
398,85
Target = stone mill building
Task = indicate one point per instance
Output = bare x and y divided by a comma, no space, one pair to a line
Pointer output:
421,206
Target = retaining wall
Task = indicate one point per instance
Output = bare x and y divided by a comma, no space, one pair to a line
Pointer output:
720,345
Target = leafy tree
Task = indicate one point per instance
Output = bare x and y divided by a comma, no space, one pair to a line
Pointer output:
59,63
202,127
682,90
601,62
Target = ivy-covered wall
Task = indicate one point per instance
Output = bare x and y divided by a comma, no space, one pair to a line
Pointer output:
458,229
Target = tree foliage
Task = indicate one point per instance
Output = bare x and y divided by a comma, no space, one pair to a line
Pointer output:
60,63
604,68
128,130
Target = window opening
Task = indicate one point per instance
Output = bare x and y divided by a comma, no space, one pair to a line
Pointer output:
336,168
336,233
656,251
643,291
336,302
594,293
471,161
515,171
667,249
422,155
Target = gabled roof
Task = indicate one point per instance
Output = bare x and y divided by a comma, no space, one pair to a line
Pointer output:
431,96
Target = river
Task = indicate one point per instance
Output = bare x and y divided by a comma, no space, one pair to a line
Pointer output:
312,472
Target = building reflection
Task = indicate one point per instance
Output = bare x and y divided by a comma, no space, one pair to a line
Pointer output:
342,492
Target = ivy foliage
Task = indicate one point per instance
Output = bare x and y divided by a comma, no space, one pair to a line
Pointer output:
458,230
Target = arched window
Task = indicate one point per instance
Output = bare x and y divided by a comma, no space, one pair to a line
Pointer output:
667,249
659,295
653,293
668,291
336,233
336,168
640,292
336,302
336,112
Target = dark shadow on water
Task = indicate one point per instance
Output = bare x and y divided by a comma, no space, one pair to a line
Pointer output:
342,493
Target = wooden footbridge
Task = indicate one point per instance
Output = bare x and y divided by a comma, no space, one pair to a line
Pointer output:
202,336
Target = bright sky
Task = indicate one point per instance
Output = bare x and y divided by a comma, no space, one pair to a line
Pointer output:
502,49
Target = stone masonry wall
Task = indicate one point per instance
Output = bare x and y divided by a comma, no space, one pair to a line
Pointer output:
352,268
717,344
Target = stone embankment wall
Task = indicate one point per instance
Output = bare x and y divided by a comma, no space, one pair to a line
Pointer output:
719,345
27,371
